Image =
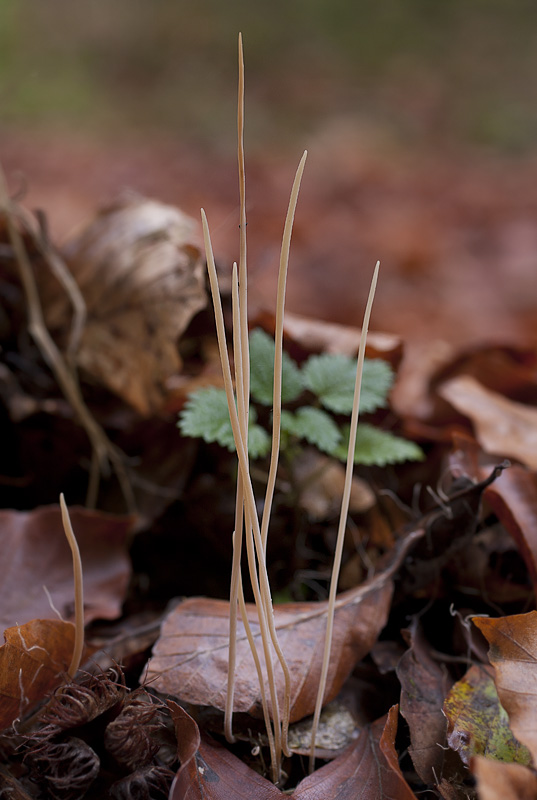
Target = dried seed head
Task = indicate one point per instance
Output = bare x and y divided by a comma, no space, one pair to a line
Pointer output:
150,783
78,703
131,736
65,769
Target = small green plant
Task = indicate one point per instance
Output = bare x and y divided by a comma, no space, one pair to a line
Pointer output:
318,395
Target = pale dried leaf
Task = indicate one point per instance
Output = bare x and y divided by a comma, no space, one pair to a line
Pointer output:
141,274
502,426
498,781
513,654
190,659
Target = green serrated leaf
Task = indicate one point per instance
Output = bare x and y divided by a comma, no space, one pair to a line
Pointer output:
332,379
315,426
377,380
288,422
259,441
206,416
375,447
262,371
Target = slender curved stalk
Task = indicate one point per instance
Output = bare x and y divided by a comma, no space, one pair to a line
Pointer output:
260,585
343,518
277,401
79,590
236,577
278,350
243,272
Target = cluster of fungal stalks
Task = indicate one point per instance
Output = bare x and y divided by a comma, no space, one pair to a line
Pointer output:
248,527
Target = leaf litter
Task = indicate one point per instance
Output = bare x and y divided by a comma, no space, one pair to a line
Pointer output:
472,553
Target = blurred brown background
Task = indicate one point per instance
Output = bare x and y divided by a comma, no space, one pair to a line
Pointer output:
420,119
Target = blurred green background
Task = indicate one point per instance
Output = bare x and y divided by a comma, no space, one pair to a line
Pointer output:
425,72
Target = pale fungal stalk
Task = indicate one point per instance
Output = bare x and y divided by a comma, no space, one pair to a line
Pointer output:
260,584
245,510
342,518
79,590
242,382
236,593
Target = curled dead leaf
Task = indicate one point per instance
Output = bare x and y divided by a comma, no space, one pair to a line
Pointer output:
141,274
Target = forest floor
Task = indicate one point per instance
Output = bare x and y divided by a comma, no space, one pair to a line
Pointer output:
429,545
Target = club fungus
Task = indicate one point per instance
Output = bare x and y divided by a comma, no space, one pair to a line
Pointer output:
79,590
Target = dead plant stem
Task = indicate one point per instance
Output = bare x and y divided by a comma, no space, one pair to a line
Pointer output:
104,452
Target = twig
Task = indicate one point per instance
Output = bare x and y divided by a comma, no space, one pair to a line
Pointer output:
104,452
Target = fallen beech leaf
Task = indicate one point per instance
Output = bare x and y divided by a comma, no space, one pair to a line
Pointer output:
502,426
477,723
513,654
36,555
142,278
424,685
190,659
329,337
387,747
33,661
367,769
209,771
497,781
411,397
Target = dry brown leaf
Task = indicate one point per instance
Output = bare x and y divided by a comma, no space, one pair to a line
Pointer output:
36,555
209,771
190,659
315,335
141,274
368,769
502,426
33,661
424,685
513,654
411,397
498,781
